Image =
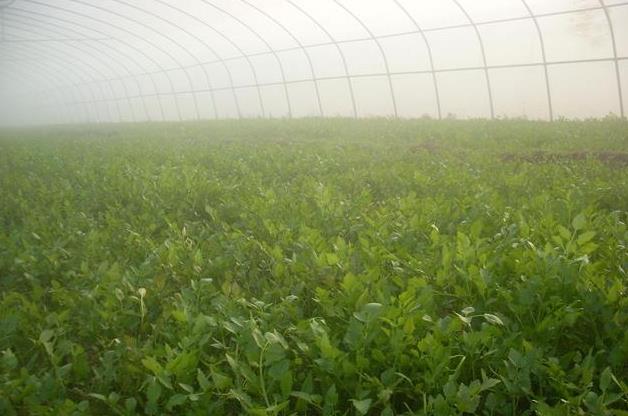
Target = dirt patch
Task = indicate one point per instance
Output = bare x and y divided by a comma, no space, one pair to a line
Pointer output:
613,157
430,146
610,158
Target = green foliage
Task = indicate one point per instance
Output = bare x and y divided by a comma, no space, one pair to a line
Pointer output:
322,267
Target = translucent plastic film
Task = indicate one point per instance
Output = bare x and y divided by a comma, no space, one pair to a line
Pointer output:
76,61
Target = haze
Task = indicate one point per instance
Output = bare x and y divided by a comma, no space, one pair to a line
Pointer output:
72,61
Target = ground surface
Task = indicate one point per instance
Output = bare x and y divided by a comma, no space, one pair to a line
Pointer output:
315,267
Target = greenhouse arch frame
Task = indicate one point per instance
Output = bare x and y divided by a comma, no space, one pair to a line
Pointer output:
80,61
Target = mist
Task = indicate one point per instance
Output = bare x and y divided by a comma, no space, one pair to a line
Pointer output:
77,61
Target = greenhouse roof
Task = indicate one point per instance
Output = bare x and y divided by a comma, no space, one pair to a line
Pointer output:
122,60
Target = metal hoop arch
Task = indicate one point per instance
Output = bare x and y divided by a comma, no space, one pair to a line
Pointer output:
298,42
270,49
483,52
338,48
429,55
105,51
614,46
381,50
548,90
96,57
101,69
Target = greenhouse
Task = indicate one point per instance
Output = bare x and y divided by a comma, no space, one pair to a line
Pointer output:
330,207
112,61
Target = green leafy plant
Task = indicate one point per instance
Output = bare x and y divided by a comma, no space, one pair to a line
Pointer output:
321,267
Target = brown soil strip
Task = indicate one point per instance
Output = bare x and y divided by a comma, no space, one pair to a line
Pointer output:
610,158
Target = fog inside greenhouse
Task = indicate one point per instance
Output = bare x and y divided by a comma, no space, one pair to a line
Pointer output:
109,60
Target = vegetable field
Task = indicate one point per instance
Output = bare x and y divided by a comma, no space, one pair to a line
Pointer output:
319,267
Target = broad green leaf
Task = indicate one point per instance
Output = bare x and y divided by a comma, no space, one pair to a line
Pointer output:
585,237
465,319
310,398
258,337
588,248
202,380
285,383
362,406
187,387
113,397
579,222
564,233
369,312
176,400
46,335
9,360
180,316
165,381
153,392
468,310
493,319
152,365
98,396
221,381
130,404
332,259
605,379
489,383
276,338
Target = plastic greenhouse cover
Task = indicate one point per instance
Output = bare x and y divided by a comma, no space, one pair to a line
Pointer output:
136,60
